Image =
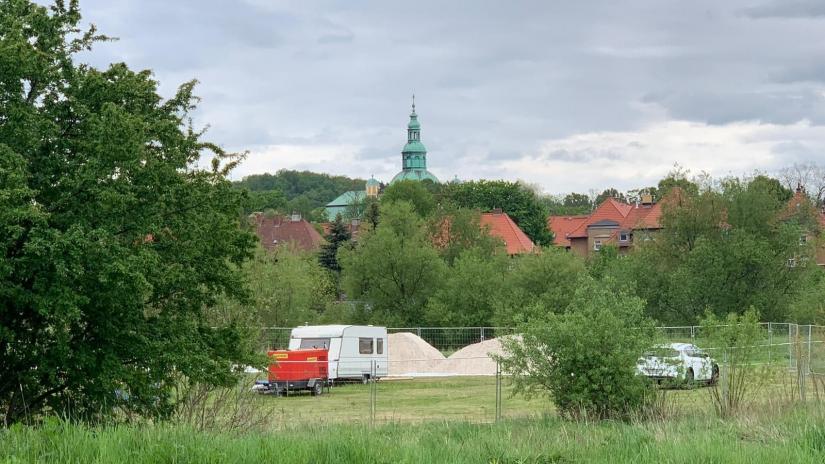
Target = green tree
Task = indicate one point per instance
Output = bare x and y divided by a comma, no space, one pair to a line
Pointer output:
456,230
520,202
610,193
537,283
470,291
338,235
584,358
114,240
288,287
394,269
411,191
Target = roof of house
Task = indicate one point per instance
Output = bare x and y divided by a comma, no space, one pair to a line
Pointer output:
348,198
277,230
610,213
562,226
501,226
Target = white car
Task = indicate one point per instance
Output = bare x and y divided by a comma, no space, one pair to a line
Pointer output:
678,362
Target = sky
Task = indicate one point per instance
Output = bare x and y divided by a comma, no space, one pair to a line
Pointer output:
568,96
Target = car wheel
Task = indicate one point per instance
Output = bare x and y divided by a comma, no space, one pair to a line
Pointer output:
317,389
689,378
365,379
714,375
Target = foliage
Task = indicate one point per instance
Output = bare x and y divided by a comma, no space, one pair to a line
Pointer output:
456,230
287,286
338,235
394,268
538,283
521,203
468,295
413,192
585,358
113,240
610,193
809,305
571,204
723,250
735,339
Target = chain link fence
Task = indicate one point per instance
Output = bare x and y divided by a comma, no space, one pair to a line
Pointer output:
464,383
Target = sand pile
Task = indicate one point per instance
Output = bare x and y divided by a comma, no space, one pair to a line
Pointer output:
473,359
410,355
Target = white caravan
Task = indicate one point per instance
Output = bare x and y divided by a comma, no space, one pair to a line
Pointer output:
356,352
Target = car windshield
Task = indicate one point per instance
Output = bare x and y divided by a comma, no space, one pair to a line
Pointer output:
662,352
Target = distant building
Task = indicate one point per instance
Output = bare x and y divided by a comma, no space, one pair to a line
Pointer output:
612,223
413,167
274,231
501,226
800,207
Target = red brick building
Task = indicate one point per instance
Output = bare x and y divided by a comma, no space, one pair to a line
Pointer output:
274,231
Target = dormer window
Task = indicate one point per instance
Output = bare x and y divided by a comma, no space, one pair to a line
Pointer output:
624,237
597,245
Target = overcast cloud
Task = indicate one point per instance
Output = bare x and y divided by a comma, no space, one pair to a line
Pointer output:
568,95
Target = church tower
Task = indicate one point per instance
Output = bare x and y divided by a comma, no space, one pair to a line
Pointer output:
414,154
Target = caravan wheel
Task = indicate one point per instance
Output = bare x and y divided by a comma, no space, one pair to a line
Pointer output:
365,379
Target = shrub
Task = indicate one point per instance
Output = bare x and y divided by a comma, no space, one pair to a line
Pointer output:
585,358
735,341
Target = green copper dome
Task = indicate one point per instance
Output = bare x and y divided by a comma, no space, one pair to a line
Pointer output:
414,174
371,181
414,154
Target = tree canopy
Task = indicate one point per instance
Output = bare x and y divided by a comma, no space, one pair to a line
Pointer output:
113,240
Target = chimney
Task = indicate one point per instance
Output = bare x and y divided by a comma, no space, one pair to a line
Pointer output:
496,211
647,198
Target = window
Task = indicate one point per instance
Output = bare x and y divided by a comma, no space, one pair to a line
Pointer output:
597,245
803,239
624,236
319,343
791,262
365,346
379,349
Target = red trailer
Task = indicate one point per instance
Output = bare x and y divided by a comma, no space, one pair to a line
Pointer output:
292,370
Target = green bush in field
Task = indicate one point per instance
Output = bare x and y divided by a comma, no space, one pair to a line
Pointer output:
736,341
585,358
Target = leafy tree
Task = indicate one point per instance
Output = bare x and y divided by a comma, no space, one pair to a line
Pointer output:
470,291
372,213
114,241
338,236
394,269
521,203
317,189
676,178
411,191
537,283
610,193
584,358
288,287
456,230
264,200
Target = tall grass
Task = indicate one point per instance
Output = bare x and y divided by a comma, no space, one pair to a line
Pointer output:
798,436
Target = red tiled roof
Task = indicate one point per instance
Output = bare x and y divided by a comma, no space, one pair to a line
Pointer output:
610,210
501,226
627,217
277,230
561,226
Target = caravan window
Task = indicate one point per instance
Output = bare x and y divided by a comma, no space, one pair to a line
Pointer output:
321,343
380,345
365,345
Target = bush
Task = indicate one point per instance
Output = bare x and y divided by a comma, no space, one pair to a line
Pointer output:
735,341
585,358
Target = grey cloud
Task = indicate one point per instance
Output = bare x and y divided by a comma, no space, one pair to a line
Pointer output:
493,79
787,9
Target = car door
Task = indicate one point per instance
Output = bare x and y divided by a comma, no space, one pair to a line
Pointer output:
700,363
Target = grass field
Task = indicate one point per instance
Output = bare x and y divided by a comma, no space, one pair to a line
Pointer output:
797,436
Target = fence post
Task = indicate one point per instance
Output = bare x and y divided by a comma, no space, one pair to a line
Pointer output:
372,392
693,334
482,334
770,341
498,391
